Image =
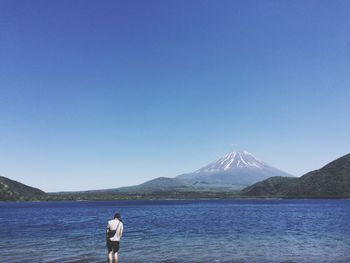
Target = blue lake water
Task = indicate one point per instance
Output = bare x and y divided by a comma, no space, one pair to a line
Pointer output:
178,231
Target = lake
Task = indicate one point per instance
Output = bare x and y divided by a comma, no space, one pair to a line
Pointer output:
178,231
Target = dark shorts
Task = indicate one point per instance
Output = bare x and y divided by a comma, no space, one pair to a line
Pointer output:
112,246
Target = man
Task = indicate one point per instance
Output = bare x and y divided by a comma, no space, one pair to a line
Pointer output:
113,234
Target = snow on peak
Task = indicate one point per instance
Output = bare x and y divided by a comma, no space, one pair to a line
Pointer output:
233,160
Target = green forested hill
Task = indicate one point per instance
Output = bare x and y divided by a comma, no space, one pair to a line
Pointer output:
273,186
13,191
332,180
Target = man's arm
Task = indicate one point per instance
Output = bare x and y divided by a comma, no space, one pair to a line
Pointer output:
107,230
121,229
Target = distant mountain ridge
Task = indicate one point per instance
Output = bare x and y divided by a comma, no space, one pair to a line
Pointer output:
332,180
235,169
11,190
232,172
157,184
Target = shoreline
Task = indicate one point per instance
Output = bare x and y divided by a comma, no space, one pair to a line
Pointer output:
175,199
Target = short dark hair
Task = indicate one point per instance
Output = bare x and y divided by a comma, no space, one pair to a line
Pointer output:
117,215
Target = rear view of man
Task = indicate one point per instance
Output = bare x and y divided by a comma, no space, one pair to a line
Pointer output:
113,234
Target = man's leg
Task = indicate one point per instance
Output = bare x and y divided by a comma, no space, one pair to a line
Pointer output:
116,257
110,257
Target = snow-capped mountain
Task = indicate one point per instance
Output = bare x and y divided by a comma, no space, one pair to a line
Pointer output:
235,169
232,160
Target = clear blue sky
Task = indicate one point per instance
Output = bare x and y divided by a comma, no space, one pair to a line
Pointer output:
100,94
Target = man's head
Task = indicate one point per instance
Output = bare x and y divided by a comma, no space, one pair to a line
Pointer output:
117,216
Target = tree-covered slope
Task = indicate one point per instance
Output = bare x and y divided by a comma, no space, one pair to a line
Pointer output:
332,180
273,186
13,191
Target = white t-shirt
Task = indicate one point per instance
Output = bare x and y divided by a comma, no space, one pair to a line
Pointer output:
113,225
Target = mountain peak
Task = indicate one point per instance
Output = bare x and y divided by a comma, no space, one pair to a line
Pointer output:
233,160
237,169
